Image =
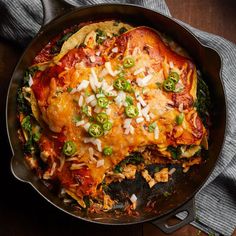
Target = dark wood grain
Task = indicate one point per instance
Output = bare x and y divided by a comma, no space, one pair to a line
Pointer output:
214,16
22,210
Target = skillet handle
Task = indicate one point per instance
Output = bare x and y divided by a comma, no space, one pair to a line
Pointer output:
54,8
163,225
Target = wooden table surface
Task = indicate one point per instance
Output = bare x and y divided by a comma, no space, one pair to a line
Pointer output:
22,210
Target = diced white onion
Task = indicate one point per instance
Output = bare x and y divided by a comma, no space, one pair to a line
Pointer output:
103,73
133,198
127,123
93,79
131,129
136,51
94,103
142,82
195,120
171,64
91,152
92,59
181,107
79,123
53,168
147,117
100,95
30,80
108,111
139,119
127,131
99,145
100,163
172,171
120,99
115,49
97,109
156,132
142,102
97,53
81,100
77,166
139,109
138,71
145,111
111,93
152,116
109,69
90,98
86,126
94,141
83,85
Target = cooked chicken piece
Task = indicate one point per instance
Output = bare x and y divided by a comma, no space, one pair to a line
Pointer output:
162,176
129,171
151,182
195,161
108,202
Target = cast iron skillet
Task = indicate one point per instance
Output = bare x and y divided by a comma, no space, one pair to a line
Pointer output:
60,15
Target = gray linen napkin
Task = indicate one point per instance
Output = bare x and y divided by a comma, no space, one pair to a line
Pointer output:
216,202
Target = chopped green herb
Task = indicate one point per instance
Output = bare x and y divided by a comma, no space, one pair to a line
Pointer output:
129,100
175,152
101,36
122,30
203,102
26,124
85,110
180,118
76,119
159,85
22,104
156,169
36,136
152,127
29,72
118,169
133,158
86,200
69,89
87,93
107,151
166,194
28,146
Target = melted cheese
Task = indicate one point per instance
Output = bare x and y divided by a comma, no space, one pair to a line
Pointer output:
152,65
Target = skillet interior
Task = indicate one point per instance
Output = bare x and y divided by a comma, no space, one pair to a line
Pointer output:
183,186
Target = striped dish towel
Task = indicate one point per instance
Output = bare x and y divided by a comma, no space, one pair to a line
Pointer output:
216,202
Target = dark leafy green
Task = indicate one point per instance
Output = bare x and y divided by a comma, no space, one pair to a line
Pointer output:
22,105
122,30
29,72
175,152
134,158
203,102
101,36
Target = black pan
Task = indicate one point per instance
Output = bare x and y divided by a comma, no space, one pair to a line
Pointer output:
183,187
